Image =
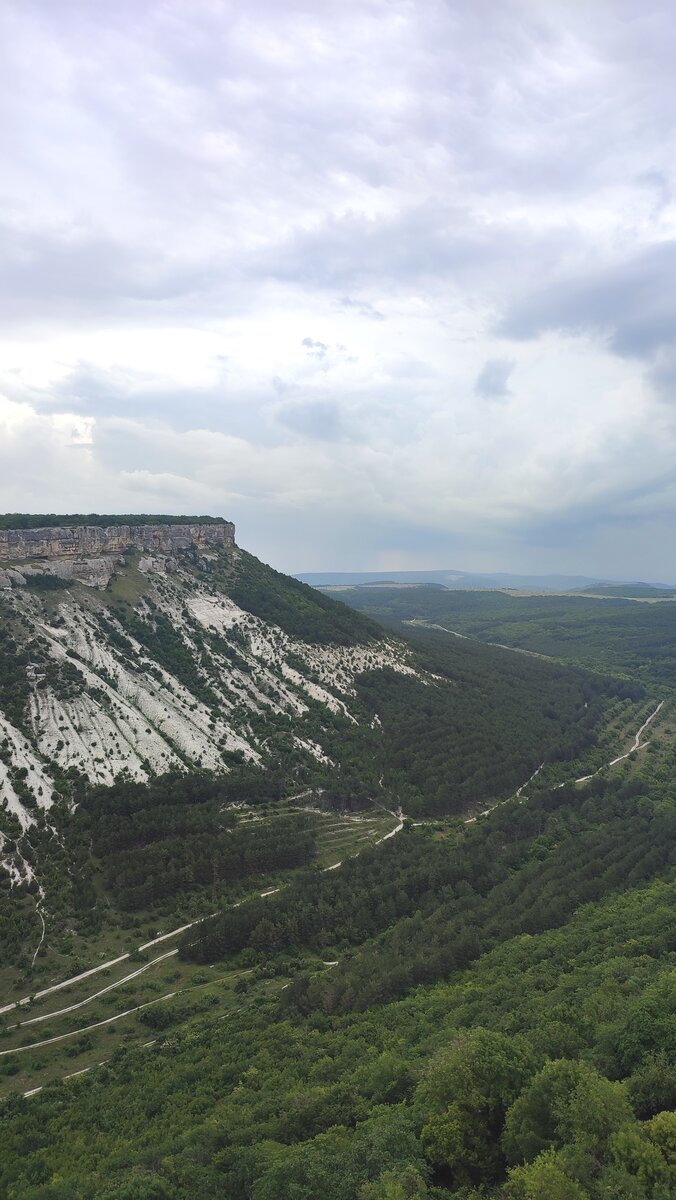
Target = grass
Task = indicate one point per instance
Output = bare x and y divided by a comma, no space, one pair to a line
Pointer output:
128,584
339,835
83,1050
197,993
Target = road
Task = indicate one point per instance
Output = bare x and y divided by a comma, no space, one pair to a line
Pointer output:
112,962
59,1012
638,745
86,1028
620,758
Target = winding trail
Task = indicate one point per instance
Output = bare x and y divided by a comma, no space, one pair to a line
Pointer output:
39,911
468,637
525,785
112,962
397,829
86,1028
399,816
638,745
60,1012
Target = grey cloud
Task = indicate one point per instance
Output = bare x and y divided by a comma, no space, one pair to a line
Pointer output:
85,275
428,241
314,348
492,382
363,307
318,420
465,171
632,304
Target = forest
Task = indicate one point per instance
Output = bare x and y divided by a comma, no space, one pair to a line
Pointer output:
501,714
298,609
474,1002
472,1041
172,836
56,520
624,637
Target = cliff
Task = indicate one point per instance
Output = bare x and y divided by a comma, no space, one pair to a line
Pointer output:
92,541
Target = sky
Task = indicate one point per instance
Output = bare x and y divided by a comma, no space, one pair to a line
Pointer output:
391,284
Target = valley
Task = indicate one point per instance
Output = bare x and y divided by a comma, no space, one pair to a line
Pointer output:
286,883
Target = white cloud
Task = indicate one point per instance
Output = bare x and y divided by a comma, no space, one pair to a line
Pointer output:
274,260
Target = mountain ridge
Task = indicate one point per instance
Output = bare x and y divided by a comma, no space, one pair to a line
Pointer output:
460,580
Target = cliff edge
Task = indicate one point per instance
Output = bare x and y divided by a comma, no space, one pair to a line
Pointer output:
92,541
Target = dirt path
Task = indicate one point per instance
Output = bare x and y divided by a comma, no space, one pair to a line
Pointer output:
638,745
59,1012
38,910
86,1028
467,637
112,962
400,818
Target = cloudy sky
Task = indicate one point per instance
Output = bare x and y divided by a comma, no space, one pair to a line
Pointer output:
390,283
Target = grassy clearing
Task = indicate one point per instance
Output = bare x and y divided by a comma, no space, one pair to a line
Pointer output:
182,995
141,977
193,993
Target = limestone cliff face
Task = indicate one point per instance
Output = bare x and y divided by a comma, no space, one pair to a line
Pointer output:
90,541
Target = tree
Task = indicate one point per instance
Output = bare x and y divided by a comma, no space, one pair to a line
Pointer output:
396,1185
463,1100
544,1179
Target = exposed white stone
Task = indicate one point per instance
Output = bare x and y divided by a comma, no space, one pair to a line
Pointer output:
134,716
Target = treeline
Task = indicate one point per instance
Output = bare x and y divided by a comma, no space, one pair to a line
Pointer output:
525,871
176,834
55,520
480,729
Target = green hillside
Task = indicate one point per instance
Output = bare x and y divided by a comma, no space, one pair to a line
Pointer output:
509,1033
616,635
408,932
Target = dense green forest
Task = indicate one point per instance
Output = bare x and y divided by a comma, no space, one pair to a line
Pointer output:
56,520
298,609
172,836
500,1024
481,733
621,636
481,1006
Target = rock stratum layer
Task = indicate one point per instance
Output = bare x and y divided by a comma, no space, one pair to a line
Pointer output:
90,541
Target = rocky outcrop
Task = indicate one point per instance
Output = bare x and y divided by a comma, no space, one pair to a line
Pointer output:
93,541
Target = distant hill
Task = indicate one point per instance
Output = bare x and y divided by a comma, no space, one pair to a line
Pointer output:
452,579
637,591
463,580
